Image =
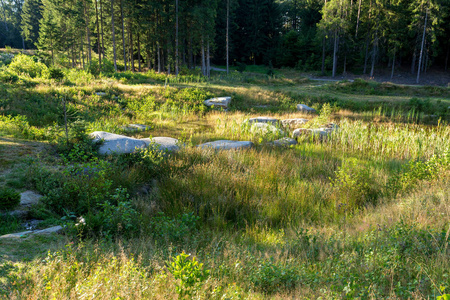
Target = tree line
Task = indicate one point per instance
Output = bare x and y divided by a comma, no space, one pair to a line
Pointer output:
331,36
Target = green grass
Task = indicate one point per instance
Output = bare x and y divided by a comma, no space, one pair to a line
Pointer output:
363,214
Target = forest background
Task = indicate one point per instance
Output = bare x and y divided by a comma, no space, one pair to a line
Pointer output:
328,36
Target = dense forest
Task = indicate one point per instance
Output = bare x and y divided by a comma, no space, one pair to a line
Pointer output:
331,36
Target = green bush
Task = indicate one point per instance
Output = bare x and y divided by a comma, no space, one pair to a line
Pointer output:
270,277
55,73
173,229
7,76
24,64
8,199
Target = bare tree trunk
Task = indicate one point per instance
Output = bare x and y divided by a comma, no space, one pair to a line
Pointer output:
393,65
366,57
101,23
82,53
176,38
374,54
123,37
88,32
73,57
208,61
335,53
159,57
422,46
203,59
323,55
130,29
149,61
98,37
139,51
357,20
228,37
113,35
413,62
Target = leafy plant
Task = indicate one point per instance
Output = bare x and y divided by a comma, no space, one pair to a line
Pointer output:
189,273
24,64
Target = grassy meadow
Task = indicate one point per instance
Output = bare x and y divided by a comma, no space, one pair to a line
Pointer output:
364,214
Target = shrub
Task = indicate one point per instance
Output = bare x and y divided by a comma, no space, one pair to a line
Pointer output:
173,229
55,73
8,199
241,67
189,273
24,64
270,277
8,77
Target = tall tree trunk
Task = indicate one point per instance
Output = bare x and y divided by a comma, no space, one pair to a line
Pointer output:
82,53
323,56
73,57
176,38
357,20
374,54
413,61
149,60
123,37
203,59
168,57
139,51
393,64
159,57
191,54
102,30
130,29
335,53
366,57
228,37
345,65
422,46
113,35
98,37
208,60
88,32
23,43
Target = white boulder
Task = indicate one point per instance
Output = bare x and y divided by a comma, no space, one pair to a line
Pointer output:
284,142
306,109
226,145
163,143
294,122
116,143
272,121
218,102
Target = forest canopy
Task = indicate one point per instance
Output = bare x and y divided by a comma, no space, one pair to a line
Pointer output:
331,36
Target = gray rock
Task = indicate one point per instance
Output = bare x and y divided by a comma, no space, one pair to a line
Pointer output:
284,142
136,127
218,102
101,94
29,198
294,122
306,109
272,121
226,145
54,229
116,143
163,143
317,132
261,106
265,128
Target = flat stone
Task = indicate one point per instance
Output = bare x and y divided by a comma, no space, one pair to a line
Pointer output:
317,132
116,143
226,145
262,120
218,102
306,109
284,142
54,229
163,143
136,127
29,198
261,106
265,128
293,122
101,94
